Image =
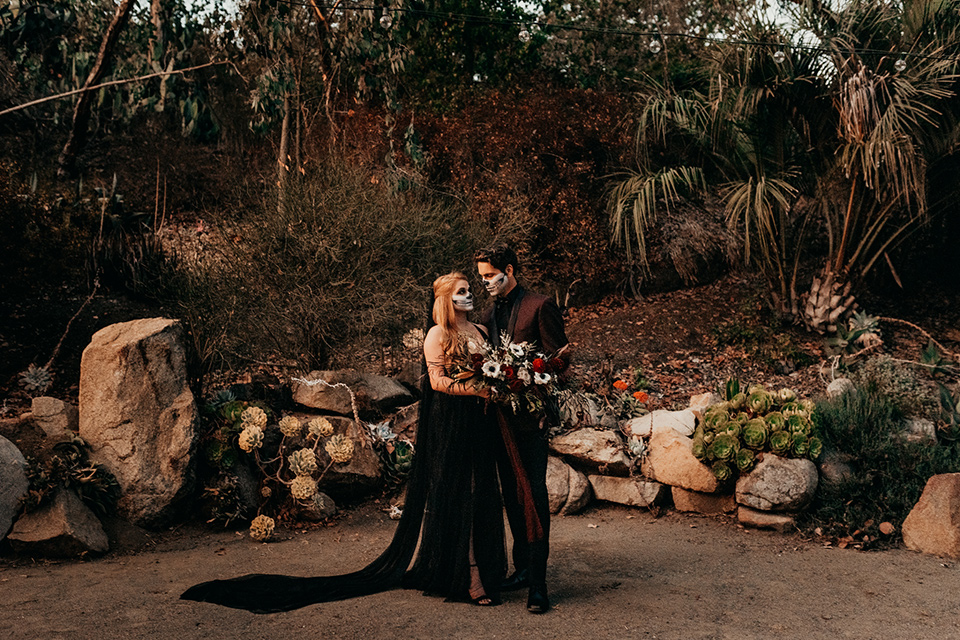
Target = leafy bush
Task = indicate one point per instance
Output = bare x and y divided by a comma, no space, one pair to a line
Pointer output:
340,266
888,472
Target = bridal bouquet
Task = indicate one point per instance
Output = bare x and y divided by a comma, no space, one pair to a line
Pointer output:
517,375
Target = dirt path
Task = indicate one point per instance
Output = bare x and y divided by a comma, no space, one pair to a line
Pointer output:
615,573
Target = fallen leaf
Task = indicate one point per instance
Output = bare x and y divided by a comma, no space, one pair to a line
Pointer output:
886,528
593,526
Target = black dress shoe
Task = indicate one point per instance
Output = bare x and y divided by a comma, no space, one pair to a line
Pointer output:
519,580
537,601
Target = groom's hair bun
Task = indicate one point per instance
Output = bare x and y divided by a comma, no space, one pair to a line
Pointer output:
499,255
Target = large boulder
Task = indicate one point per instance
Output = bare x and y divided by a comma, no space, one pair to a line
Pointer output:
56,417
373,393
683,422
633,492
13,483
63,528
710,504
568,490
670,460
596,449
139,417
778,484
350,480
933,525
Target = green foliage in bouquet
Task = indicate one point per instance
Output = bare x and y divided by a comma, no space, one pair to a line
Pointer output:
731,434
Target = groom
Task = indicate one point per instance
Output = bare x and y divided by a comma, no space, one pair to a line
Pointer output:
525,316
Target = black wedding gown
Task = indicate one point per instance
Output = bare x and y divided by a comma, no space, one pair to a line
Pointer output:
453,500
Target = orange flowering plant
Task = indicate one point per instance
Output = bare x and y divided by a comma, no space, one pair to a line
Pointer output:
628,399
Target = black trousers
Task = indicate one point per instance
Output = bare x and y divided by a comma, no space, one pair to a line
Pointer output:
532,556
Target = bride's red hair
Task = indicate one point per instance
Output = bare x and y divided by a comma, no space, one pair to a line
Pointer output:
443,314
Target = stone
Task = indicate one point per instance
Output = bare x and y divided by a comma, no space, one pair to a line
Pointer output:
13,483
579,495
919,430
670,460
839,386
597,449
411,376
633,492
355,478
558,483
933,525
702,401
835,467
373,393
568,490
710,504
56,417
63,528
766,520
778,484
683,422
320,508
139,417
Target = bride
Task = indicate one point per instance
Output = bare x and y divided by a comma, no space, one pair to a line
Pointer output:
453,506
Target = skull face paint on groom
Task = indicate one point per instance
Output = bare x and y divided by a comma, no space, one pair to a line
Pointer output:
525,316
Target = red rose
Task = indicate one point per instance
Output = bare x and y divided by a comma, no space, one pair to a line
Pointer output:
477,358
510,372
539,365
556,364
516,385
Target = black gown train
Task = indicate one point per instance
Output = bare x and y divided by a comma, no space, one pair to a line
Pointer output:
453,501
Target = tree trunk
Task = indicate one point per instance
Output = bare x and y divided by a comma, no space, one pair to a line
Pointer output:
283,161
327,67
81,113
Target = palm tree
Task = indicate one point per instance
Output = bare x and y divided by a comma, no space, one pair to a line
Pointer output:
822,147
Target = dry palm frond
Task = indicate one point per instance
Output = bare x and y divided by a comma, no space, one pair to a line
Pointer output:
633,204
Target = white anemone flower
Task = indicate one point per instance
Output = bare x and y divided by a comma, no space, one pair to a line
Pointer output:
516,350
542,378
491,369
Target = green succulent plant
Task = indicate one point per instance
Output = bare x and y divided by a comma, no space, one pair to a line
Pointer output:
780,442
725,446
755,434
715,419
738,401
798,424
801,445
232,410
775,421
722,471
699,449
815,448
759,402
745,459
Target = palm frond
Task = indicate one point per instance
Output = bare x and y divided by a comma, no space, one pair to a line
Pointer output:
634,201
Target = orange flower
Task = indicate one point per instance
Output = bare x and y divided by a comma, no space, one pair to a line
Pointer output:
641,396
620,384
